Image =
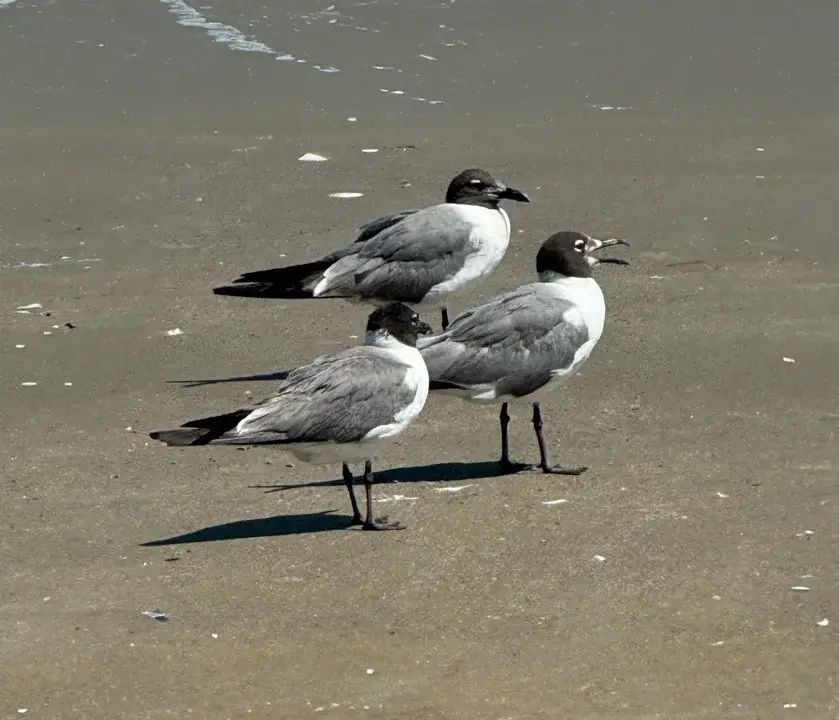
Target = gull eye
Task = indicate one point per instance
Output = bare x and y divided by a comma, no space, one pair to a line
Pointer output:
579,245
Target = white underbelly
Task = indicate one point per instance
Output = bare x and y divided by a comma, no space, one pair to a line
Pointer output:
487,393
333,453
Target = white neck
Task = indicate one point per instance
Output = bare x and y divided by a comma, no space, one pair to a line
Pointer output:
382,339
551,276
382,342
585,294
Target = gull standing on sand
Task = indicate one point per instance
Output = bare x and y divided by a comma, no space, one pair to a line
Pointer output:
340,408
417,257
519,344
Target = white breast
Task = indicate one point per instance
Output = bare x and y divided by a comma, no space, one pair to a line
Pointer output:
415,380
587,297
589,310
488,243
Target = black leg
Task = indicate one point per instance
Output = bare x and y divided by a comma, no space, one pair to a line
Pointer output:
369,522
545,466
445,318
348,479
508,467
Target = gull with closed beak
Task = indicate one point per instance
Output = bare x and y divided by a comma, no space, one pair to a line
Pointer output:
340,408
418,257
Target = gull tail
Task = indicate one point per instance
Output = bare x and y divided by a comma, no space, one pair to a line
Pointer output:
200,432
290,283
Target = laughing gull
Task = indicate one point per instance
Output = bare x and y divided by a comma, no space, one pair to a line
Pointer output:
341,408
519,344
416,257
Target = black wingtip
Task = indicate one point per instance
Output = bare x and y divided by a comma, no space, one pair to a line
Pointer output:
442,385
263,291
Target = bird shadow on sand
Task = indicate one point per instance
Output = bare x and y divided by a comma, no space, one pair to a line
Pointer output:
325,521
439,472
274,526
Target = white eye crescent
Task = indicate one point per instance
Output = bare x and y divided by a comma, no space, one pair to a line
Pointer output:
476,181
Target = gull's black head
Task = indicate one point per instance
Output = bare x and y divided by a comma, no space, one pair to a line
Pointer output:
568,253
478,187
399,321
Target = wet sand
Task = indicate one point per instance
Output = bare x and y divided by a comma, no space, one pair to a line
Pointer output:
141,163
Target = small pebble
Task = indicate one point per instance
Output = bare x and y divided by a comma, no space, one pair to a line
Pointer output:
29,384
800,588
20,347
370,671
823,623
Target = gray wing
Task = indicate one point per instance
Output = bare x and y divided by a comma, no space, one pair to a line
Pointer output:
339,398
407,258
517,340
365,233
374,227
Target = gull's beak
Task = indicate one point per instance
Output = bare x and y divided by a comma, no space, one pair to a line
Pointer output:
508,193
595,244
424,328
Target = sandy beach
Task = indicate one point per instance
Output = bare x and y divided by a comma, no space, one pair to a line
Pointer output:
149,151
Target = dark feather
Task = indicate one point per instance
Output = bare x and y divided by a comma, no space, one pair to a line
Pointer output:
294,283
442,385
202,431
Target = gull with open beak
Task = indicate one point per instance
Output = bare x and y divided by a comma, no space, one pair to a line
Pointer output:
519,345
